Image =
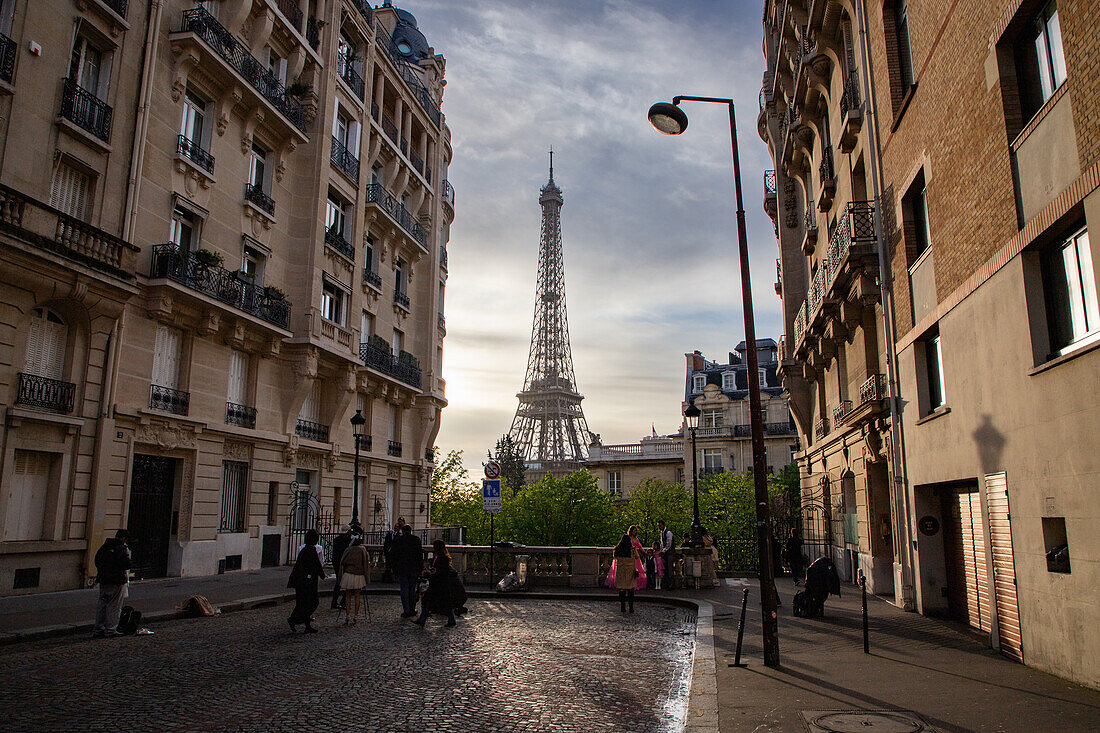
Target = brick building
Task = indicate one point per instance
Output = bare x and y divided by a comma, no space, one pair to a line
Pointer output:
223,232
972,131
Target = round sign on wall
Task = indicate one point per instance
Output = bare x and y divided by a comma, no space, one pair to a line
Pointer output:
492,469
928,525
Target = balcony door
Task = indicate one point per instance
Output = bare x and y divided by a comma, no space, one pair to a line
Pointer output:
238,378
166,357
46,339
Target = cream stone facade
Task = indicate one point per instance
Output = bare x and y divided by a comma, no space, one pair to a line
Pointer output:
223,231
620,469
963,290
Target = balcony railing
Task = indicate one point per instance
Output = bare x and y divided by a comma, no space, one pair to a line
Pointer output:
821,428
841,411
7,58
50,229
828,172
442,321
412,79
256,195
443,257
389,128
365,11
372,278
85,110
206,27
384,361
351,77
344,161
313,33
769,184
45,393
119,7
849,100
779,428
336,240
311,430
240,415
169,400
293,13
417,161
401,299
377,194
194,152
366,443
170,262
393,449
873,389
448,193
856,226
375,112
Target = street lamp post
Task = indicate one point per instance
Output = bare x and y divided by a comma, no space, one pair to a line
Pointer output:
669,119
357,422
692,414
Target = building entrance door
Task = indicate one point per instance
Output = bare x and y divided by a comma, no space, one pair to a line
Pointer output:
149,521
965,558
1004,567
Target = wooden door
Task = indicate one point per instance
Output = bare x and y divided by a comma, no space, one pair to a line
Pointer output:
1009,635
965,557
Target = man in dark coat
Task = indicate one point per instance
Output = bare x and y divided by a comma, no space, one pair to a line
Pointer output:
339,545
822,579
303,579
387,549
112,561
408,563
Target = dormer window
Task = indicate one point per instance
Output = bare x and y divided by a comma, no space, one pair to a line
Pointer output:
698,382
729,382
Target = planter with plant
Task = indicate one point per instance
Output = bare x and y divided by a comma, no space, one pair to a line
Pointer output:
208,258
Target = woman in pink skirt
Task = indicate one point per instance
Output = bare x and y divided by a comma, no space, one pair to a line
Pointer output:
638,572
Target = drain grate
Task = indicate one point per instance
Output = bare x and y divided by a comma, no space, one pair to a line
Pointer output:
865,721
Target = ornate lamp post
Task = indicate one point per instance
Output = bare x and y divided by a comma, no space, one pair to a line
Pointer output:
692,415
357,423
669,119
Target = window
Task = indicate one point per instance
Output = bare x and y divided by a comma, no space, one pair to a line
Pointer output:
336,217
166,357
184,230
614,482
698,382
1069,284
252,264
399,282
395,423
7,16
376,174
933,373
211,6
276,64
71,191
712,460
398,341
26,497
905,49
193,126
311,406
713,418
763,377
234,496
257,168
238,378
915,218
46,339
89,67
333,302
366,326
371,257
729,381
1040,62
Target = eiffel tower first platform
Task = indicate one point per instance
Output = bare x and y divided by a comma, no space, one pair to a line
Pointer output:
549,425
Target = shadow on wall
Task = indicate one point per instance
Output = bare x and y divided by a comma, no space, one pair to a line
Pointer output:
991,444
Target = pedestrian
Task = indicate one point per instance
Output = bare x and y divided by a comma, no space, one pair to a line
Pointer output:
654,581
664,536
437,599
112,561
792,553
353,577
709,546
626,573
387,549
408,561
308,570
339,547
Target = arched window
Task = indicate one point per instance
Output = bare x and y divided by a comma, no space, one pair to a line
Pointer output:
46,340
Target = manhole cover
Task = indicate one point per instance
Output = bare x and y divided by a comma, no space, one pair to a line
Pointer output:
865,721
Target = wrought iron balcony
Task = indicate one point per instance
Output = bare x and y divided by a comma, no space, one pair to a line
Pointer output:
170,262
240,415
169,400
742,431
293,13
779,428
376,356
873,389
256,195
311,431
336,240
443,257
222,42
45,393
365,11
401,299
50,229
351,77
769,184
7,58
366,443
372,278
393,449
448,193
849,100
119,7
375,111
828,172
778,277
344,161
313,33
416,161
416,86
821,428
194,152
841,411
429,453
85,110
442,321
389,128
377,194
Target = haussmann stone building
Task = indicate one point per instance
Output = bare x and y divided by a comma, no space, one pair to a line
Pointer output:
937,174
223,230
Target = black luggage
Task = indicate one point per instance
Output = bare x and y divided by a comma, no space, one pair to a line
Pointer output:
799,605
129,619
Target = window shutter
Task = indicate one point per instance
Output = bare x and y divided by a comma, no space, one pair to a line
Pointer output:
311,407
33,361
166,357
53,350
69,191
237,377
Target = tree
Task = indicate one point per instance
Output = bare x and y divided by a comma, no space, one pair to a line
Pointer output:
652,500
512,463
456,500
565,511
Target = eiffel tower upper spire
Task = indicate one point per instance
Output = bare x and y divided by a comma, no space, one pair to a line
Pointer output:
549,425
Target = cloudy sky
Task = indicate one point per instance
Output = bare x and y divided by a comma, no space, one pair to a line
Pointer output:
648,224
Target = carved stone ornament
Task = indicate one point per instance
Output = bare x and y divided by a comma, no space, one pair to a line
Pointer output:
332,457
309,460
290,452
305,366
393,472
236,450
165,437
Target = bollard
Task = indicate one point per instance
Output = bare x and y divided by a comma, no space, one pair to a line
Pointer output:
863,590
741,629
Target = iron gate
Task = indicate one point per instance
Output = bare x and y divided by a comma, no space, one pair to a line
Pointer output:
149,519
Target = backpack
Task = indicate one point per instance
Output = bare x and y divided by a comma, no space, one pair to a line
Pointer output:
128,620
800,606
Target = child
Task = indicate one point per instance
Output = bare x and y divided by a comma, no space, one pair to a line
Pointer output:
658,565
651,568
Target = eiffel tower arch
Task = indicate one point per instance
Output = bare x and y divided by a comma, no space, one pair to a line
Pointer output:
549,425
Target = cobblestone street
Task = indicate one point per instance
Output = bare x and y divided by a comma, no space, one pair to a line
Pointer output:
510,665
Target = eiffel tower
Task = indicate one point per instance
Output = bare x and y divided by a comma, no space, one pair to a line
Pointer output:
549,426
